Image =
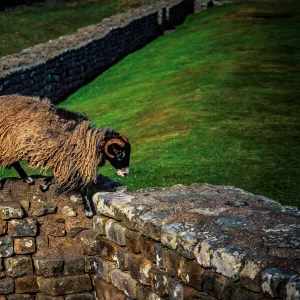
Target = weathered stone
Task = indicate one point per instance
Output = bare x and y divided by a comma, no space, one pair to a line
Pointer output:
88,237
26,284
42,242
91,264
159,255
103,202
42,296
6,286
139,267
99,223
150,224
124,282
214,283
75,231
48,266
105,248
180,291
3,227
19,297
76,199
191,273
145,292
169,234
104,269
282,239
81,296
172,261
106,291
25,204
24,245
22,228
65,285
115,232
68,211
148,248
229,261
231,222
6,247
293,289
44,210
159,281
187,241
121,258
133,241
74,265
204,249
274,278
18,266
10,210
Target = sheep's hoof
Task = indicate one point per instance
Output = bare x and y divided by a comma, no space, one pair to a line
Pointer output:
89,214
29,180
44,187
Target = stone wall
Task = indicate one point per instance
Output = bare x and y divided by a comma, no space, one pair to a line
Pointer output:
184,242
59,67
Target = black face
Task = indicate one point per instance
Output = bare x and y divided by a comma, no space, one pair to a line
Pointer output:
121,158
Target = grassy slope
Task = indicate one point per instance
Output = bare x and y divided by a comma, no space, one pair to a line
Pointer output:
26,27
217,101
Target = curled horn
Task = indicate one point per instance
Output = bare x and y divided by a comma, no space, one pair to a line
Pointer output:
111,142
124,138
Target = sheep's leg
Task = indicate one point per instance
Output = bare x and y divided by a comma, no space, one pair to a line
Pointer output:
22,173
47,183
88,204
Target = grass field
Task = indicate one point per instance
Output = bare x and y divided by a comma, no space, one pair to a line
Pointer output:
215,101
26,27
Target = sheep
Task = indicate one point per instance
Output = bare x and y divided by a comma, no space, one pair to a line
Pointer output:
57,140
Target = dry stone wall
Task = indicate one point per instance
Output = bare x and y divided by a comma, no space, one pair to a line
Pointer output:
59,67
184,242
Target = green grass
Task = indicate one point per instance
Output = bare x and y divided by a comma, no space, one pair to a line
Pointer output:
216,101
26,27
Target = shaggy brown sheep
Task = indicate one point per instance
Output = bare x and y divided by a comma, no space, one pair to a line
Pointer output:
57,140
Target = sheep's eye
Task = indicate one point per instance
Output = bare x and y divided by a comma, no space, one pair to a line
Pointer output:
120,154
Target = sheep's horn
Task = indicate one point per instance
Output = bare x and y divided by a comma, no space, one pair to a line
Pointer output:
124,138
111,142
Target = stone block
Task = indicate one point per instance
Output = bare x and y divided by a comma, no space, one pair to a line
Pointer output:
42,296
104,269
293,289
91,264
172,262
22,228
229,261
6,247
19,297
139,268
6,286
105,248
57,286
204,249
274,281
3,227
17,266
106,291
191,273
150,224
148,248
88,238
159,281
121,258
213,283
145,292
24,245
44,210
10,210
133,241
179,291
74,265
99,223
26,284
159,255
81,296
124,282
48,266
115,232
169,234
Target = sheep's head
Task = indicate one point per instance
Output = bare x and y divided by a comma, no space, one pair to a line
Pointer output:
117,151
